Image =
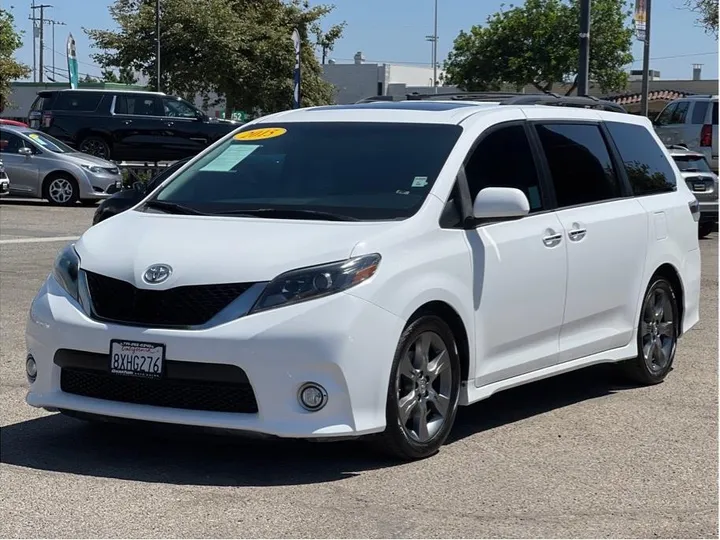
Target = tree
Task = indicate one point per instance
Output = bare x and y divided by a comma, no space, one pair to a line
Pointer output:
125,76
10,69
707,11
240,50
538,44
326,40
89,79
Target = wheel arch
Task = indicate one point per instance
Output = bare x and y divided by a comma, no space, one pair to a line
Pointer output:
669,272
452,318
56,173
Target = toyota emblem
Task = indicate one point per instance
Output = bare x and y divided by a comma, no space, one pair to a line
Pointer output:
157,273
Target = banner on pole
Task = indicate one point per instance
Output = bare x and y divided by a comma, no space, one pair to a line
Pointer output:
296,77
72,62
640,19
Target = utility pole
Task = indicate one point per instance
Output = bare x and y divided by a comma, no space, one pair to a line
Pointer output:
434,39
646,62
157,37
54,23
584,67
41,20
34,31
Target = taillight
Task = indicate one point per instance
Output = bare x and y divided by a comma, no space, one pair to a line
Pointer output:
46,119
706,135
695,209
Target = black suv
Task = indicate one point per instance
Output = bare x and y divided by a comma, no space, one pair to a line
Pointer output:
125,125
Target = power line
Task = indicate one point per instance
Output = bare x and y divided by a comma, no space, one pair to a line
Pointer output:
79,62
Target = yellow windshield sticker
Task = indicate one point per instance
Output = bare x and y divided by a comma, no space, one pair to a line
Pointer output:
260,134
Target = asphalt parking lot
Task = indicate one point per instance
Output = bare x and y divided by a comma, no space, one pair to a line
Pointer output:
580,455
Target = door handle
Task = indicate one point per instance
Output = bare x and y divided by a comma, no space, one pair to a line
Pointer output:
169,123
127,122
577,234
552,240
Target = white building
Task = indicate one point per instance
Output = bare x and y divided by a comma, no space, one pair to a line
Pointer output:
360,80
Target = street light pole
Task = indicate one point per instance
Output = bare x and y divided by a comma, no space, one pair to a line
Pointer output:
435,40
644,106
157,37
584,67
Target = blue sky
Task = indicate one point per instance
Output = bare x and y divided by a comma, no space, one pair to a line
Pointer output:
395,30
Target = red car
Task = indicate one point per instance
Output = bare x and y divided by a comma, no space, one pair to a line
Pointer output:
6,122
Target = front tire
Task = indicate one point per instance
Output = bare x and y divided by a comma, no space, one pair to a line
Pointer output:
658,331
423,392
704,229
61,190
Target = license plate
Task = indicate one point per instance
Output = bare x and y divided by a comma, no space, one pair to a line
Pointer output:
137,359
699,187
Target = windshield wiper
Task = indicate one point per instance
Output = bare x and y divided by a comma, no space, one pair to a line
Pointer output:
289,214
173,208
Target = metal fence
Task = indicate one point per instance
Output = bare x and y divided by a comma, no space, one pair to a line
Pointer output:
141,171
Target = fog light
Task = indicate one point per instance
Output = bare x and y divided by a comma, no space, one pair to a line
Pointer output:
31,368
312,397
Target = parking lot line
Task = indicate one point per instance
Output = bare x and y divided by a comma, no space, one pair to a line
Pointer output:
39,240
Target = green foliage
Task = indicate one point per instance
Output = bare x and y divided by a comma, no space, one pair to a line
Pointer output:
125,76
707,11
538,44
10,69
239,49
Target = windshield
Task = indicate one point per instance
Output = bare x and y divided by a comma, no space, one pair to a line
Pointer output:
692,164
356,170
46,142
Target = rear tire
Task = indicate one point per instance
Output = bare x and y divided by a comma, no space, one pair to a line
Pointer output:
95,146
61,190
704,229
423,390
658,331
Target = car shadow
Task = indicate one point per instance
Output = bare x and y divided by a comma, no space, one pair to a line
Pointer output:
188,456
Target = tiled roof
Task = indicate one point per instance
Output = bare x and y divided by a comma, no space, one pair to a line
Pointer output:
656,95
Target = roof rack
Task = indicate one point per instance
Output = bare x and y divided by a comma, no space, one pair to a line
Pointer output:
516,98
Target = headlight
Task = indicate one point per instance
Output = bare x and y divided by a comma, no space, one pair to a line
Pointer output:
91,168
316,281
65,271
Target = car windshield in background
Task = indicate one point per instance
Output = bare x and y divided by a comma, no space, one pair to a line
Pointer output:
692,164
46,142
316,170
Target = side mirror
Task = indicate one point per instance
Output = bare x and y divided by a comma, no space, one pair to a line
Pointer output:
500,203
25,151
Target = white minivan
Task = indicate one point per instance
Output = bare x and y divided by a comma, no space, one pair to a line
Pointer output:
364,270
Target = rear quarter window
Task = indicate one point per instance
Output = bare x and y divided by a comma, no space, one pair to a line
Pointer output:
699,112
42,102
78,102
646,165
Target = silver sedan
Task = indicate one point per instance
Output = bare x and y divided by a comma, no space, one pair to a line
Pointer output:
40,166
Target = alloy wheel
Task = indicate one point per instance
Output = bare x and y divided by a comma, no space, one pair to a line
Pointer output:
658,331
424,387
95,147
61,190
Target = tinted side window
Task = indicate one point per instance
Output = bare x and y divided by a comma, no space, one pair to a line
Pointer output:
699,112
579,163
504,158
647,167
80,101
10,143
137,105
664,117
715,113
680,113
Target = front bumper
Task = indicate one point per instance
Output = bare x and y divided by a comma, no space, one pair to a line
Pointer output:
100,186
344,343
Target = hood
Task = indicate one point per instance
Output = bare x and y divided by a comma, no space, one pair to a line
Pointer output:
205,250
81,158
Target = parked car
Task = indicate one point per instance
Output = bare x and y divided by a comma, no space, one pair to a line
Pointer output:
4,181
692,122
40,166
8,122
126,125
388,263
702,182
129,197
